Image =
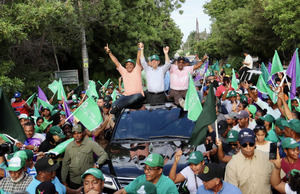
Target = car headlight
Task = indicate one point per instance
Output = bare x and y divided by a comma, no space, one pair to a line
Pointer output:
109,182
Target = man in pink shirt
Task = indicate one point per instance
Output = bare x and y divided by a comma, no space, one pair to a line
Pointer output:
179,77
132,79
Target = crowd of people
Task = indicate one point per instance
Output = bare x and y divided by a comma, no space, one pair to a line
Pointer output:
254,148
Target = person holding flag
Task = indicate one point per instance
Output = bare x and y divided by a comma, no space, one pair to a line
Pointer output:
20,105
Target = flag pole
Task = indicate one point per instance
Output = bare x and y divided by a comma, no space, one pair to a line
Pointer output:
216,127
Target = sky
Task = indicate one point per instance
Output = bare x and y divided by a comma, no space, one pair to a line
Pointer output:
192,9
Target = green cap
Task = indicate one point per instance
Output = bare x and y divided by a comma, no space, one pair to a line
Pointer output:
268,118
155,160
21,154
279,123
154,57
95,172
56,130
294,172
289,143
231,93
227,65
244,98
195,157
29,153
45,124
130,60
232,136
53,112
73,106
295,125
145,187
77,128
252,109
15,163
63,113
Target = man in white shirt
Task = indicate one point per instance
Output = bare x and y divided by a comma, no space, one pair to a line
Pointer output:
155,74
247,65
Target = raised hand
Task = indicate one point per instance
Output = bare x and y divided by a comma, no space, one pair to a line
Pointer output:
204,57
106,48
166,49
140,45
177,155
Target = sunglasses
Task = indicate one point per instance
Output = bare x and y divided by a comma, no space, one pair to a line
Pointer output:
233,144
137,148
244,145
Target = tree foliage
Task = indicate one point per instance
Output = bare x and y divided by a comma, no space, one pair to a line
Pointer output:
259,26
33,33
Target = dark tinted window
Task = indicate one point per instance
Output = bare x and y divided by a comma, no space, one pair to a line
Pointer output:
159,122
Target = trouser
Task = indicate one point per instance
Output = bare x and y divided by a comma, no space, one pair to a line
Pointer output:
74,185
155,98
244,74
131,101
177,94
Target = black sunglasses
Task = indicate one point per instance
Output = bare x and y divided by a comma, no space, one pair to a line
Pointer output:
244,145
137,148
233,144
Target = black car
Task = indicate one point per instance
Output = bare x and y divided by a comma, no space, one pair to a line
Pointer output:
159,129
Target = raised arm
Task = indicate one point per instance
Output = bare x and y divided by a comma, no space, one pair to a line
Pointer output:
286,108
275,175
176,178
112,57
198,65
166,52
221,155
138,57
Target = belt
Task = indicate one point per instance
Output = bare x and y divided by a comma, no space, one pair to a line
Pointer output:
156,93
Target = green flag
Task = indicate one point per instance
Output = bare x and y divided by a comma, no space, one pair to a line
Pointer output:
91,91
45,104
276,64
264,72
99,82
114,95
54,86
207,117
60,91
215,66
234,83
30,99
36,111
88,113
192,103
262,87
60,148
106,84
9,124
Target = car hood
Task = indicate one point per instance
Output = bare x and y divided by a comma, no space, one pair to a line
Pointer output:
128,159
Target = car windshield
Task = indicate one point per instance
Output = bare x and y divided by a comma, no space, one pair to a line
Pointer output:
146,124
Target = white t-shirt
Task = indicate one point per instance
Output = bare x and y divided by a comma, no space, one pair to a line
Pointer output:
288,189
190,177
249,60
264,148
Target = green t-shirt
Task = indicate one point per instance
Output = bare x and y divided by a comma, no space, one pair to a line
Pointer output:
163,186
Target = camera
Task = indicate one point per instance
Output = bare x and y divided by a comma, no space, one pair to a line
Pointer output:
6,148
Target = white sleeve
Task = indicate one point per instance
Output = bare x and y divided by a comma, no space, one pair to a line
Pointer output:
185,172
288,189
166,67
144,62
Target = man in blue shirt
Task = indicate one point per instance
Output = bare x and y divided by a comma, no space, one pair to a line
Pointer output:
212,176
45,168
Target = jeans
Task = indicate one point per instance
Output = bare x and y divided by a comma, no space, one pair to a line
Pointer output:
126,102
